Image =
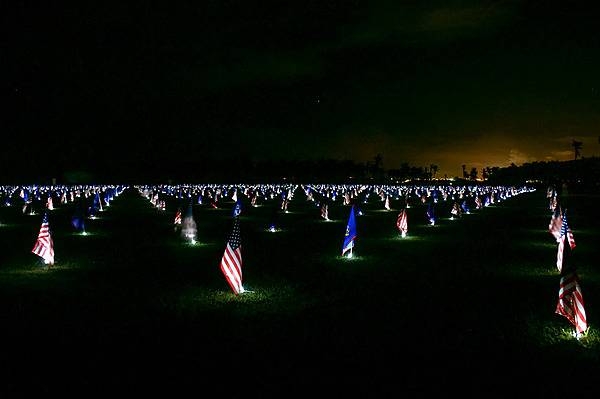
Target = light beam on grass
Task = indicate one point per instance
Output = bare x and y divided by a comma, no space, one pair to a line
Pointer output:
36,269
352,257
278,299
273,229
408,237
548,334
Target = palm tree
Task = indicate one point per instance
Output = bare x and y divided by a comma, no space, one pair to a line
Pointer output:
577,147
433,168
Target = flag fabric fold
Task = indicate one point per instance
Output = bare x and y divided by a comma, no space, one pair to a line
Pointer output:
177,220
350,235
231,262
402,222
325,211
237,209
560,230
44,245
570,302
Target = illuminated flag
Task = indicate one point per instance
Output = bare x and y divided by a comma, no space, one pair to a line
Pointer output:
555,224
177,220
44,246
49,203
387,203
402,222
78,219
456,210
431,213
188,226
97,204
237,209
565,230
325,211
465,207
350,235
570,302
231,263
560,230
284,204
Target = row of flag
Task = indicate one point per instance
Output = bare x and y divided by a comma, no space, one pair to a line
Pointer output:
570,302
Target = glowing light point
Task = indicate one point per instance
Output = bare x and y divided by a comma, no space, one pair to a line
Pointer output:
403,234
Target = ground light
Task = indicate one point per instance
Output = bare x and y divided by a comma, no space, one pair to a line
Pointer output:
273,229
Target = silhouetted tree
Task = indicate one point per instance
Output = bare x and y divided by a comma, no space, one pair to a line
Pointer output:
577,147
433,168
473,174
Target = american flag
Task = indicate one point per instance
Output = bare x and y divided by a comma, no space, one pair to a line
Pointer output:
44,246
402,222
555,225
177,220
325,211
570,302
565,230
560,229
231,263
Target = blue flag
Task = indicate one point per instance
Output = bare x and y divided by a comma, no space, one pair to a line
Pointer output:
350,233
78,222
237,210
78,218
431,213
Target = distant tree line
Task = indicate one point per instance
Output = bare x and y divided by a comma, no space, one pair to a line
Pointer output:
583,173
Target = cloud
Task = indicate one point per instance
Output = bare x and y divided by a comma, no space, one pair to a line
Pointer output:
519,157
426,23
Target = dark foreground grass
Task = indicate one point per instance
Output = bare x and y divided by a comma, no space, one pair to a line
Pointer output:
466,306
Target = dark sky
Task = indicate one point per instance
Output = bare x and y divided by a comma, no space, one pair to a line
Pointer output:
481,83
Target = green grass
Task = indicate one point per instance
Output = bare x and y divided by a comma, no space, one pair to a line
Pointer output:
465,306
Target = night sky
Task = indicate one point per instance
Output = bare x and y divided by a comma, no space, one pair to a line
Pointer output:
480,83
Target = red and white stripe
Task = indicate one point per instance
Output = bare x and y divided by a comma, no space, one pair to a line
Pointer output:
231,266
570,302
231,262
44,245
559,253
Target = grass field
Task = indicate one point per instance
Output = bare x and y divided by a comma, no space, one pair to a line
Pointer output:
465,306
